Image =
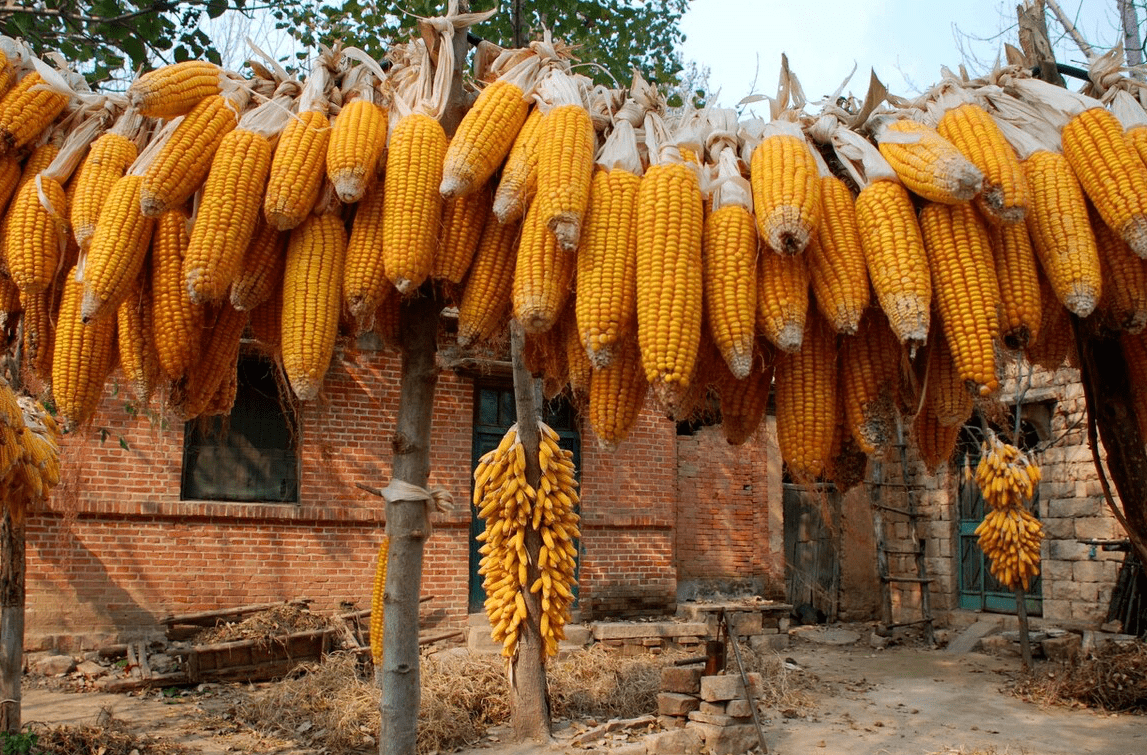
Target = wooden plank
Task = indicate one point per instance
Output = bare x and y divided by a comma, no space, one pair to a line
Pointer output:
210,618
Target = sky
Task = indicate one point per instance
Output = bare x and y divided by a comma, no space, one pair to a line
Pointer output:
905,41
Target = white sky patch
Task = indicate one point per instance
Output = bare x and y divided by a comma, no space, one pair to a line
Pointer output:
905,41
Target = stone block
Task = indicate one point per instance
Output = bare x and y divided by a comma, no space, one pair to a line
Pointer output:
676,704
577,634
1065,649
680,740
745,623
712,709
774,642
50,664
726,740
1058,528
739,709
1073,507
727,687
1095,528
716,719
683,679
1067,550
1053,571
672,722
624,630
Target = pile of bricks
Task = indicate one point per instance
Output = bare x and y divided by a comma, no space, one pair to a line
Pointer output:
716,707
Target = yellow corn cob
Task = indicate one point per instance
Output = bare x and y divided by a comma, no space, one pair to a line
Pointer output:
929,164
224,399
607,265
354,151
744,400
869,379
218,361
387,319
935,442
138,360
9,178
729,249
227,216
1018,276
262,267
1061,234
519,180
411,205
1056,339
782,299
617,394
1110,172
967,295
312,280
542,276
7,74
1123,304
786,192
376,603
267,323
26,110
708,370
897,262
565,169
174,89
485,306
946,395
83,354
806,383
463,219
119,248
177,321
40,158
9,299
483,138
847,465
108,159
297,170
669,286
184,162
836,266
37,233
579,365
364,280
39,325
1004,197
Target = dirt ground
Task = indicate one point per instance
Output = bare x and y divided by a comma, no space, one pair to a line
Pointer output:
849,699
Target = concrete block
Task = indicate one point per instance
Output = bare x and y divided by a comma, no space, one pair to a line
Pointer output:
774,642
1065,649
676,704
726,740
624,630
682,740
682,679
727,687
577,634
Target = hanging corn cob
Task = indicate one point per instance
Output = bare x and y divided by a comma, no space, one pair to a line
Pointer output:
729,248
1017,274
617,393
179,168
510,506
175,89
891,238
669,269
377,623
218,361
934,441
519,180
229,207
34,102
138,358
38,230
782,299
485,307
1123,305
358,133
869,379
565,151
107,161
543,275
806,383
261,271
744,400
299,163
607,256
83,355
1056,338
946,392
463,219
1010,535
786,194
177,321
927,163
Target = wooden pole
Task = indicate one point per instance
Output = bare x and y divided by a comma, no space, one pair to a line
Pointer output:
12,570
529,700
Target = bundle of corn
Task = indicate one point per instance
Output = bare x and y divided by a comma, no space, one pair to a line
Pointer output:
1010,535
514,511
29,450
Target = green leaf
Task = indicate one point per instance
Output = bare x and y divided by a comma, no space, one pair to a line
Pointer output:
216,8
123,444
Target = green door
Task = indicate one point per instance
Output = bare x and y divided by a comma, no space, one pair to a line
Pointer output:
494,413
979,590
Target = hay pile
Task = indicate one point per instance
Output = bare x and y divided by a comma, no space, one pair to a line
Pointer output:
1113,678
108,736
274,622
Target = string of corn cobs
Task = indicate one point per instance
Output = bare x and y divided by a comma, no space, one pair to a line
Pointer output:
1010,535
510,507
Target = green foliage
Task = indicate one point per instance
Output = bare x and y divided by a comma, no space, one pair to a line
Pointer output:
102,37
614,35
17,743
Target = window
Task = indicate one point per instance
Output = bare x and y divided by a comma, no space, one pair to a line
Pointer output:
250,454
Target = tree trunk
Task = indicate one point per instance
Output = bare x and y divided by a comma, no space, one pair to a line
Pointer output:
408,526
1132,43
12,564
529,701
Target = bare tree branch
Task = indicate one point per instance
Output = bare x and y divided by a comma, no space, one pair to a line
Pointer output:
1069,27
